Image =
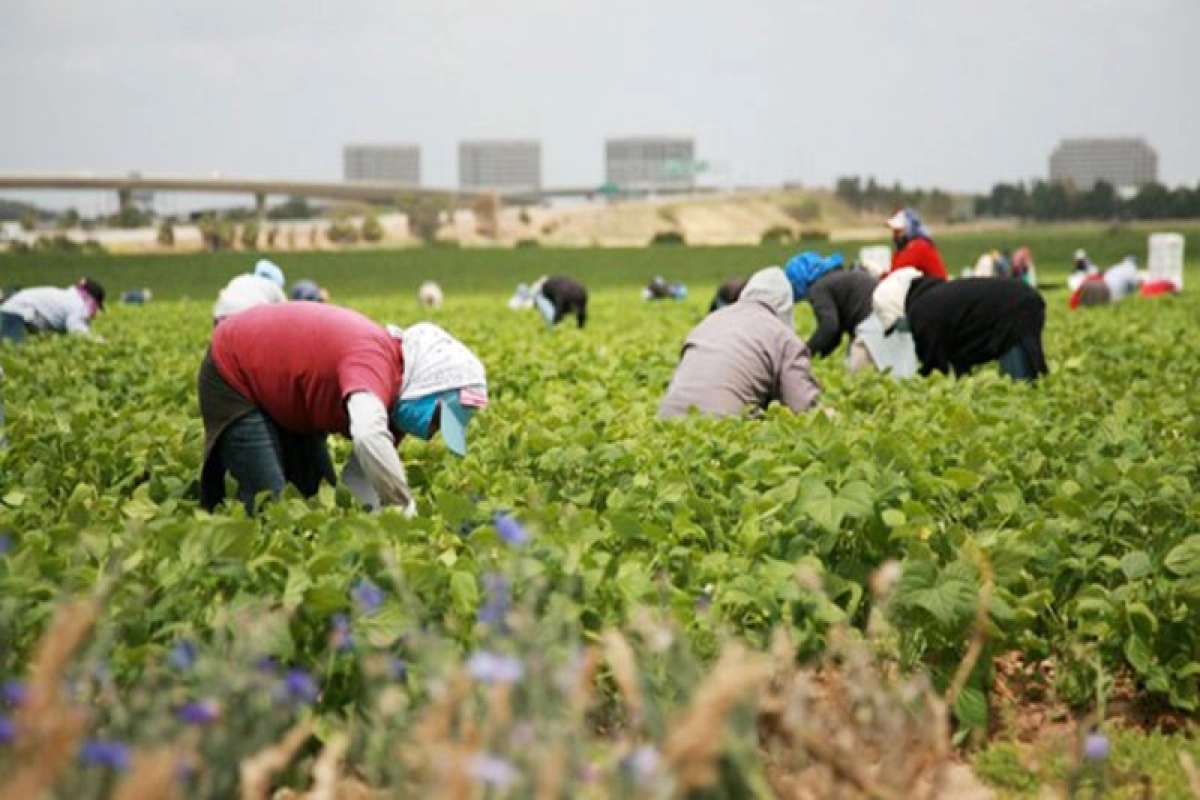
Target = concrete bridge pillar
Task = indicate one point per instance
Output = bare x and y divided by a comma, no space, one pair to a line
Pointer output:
260,206
124,199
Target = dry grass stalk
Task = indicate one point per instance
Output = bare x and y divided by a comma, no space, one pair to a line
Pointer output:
581,693
499,710
697,737
552,773
257,771
49,730
71,624
328,767
431,737
152,777
1189,769
623,664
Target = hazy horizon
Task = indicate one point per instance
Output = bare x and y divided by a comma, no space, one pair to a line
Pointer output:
940,93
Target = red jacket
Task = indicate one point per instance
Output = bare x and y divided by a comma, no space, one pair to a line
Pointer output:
922,254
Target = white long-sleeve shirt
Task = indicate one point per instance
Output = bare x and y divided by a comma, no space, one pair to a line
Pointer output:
374,473
48,308
245,292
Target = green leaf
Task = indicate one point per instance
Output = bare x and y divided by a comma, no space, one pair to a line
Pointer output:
971,708
1184,559
295,588
464,592
894,518
1135,565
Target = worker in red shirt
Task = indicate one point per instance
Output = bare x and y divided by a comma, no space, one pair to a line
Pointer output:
914,245
277,379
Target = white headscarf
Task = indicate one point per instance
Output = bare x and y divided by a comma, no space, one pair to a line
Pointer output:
434,361
771,286
891,294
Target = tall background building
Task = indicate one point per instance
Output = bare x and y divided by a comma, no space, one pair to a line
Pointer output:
501,165
650,163
1124,163
394,163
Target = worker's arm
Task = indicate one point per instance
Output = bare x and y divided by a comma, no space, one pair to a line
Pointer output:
798,389
375,451
78,323
828,333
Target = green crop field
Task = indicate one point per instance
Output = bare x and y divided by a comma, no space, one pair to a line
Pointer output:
1074,501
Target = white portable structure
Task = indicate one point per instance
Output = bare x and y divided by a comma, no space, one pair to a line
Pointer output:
1166,258
877,259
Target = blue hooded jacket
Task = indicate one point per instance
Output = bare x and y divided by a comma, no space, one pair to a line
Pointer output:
803,270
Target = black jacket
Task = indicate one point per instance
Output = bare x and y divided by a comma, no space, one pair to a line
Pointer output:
728,293
958,325
568,296
840,299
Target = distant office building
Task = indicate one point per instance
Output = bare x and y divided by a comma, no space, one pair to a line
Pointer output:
1124,163
393,163
501,165
650,163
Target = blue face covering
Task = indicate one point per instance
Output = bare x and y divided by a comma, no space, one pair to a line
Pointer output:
415,416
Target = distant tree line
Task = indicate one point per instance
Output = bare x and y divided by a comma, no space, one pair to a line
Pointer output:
1047,202
1041,201
871,196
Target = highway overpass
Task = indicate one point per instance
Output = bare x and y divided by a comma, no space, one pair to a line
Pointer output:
261,188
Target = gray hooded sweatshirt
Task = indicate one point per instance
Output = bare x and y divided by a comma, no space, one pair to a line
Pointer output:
745,354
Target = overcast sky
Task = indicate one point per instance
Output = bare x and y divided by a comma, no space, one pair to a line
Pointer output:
953,93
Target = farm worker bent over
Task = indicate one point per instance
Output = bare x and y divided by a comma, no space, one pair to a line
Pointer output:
914,245
1116,283
840,299
263,286
961,324
743,355
430,295
309,291
48,309
659,289
559,296
278,379
727,293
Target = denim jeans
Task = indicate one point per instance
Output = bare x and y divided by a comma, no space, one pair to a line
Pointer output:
262,458
1016,364
12,327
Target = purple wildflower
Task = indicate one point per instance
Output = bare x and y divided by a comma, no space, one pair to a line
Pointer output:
487,667
13,692
339,632
1095,747
300,687
367,596
184,771
511,531
495,587
102,753
5,543
200,712
493,770
267,665
397,668
8,730
183,655
642,763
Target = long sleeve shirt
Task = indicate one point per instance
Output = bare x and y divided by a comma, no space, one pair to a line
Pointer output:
840,301
741,355
51,309
921,254
375,456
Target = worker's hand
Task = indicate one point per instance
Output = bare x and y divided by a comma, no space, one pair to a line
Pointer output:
408,512
97,338
829,412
